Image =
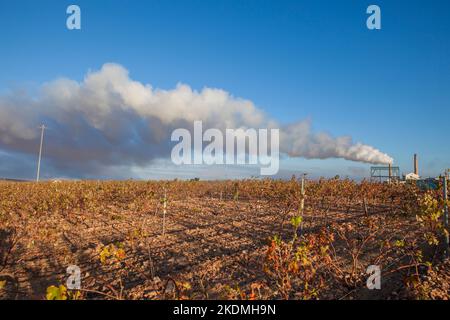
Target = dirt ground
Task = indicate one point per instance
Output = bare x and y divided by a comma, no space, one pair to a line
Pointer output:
210,247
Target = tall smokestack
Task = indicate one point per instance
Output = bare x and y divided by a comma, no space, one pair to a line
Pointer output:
416,164
390,172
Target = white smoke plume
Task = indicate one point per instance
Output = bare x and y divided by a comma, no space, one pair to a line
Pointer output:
110,120
299,141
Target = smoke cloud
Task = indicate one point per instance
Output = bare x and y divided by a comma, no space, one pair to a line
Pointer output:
298,141
109,120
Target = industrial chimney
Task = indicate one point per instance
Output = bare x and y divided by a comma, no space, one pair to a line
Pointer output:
416,164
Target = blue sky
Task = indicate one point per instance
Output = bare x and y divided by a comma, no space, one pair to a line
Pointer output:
294,59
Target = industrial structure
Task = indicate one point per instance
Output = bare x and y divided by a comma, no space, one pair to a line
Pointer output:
386,173
413,175
392,174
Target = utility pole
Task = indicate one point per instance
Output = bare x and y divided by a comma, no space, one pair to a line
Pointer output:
42,127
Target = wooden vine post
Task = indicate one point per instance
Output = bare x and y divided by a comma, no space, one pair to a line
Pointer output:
445,196
164,211
302,201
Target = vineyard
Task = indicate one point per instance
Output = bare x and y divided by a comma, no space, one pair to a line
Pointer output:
251,239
